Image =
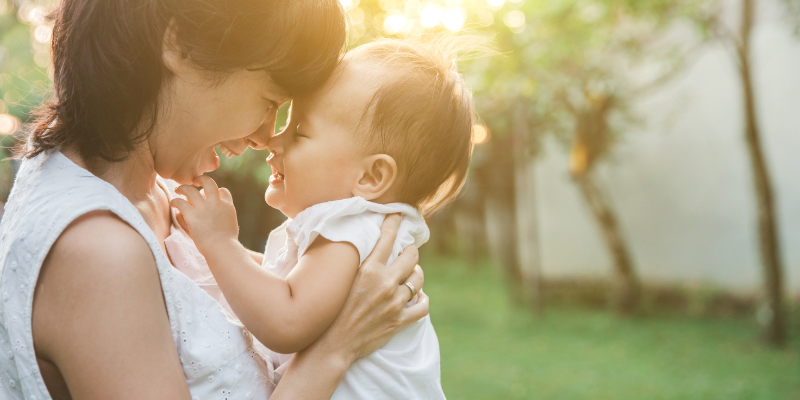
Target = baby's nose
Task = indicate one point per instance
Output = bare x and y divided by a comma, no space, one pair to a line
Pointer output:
275,144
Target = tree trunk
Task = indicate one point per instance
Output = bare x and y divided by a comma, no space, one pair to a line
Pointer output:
497,185
500,228
467,228
773,316
528,248
625,285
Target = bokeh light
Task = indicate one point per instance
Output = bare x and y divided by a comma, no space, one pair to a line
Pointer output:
349,4
480,134
430,16
514,19
8,124
393,24
496,4
356,15
31,13
42,33
485,18
454,18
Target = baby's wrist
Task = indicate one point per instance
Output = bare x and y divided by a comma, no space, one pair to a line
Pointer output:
209,244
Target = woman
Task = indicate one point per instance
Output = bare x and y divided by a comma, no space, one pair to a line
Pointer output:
144,89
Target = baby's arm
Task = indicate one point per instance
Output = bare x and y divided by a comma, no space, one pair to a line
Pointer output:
285,315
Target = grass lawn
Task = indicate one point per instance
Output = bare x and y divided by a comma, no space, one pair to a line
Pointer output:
491,350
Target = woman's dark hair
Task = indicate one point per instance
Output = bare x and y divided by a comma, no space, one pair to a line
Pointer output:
108,70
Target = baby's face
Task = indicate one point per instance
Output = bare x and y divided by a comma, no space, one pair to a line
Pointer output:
318,157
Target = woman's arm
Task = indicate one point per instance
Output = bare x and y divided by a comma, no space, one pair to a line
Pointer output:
100,325
374,311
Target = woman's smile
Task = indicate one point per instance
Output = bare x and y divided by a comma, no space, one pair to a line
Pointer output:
213,159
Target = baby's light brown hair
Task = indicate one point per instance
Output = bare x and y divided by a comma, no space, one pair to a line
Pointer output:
422,116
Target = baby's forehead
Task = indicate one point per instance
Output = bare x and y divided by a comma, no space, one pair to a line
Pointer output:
349,91
357,73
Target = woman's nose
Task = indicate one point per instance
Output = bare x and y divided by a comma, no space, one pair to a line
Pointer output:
261,137
275,144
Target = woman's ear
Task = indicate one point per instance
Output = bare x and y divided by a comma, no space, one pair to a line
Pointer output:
377,176
173,57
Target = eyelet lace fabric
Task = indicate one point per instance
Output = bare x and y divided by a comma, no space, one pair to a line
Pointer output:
217,354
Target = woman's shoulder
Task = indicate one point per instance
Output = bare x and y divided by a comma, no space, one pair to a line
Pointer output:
100,236
98,250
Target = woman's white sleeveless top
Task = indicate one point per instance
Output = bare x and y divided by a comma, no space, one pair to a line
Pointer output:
49,193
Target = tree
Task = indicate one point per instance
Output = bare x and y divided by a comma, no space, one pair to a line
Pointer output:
772,315
566,70
575,69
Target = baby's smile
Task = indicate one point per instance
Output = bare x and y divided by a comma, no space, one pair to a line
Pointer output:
277,176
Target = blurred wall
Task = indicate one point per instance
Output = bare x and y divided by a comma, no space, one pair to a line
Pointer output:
681,183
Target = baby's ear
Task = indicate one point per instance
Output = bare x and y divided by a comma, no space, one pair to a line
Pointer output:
377,176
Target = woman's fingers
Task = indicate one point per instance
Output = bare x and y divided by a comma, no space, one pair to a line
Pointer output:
417,311
209,186
405,263
383,248
191,193
416,279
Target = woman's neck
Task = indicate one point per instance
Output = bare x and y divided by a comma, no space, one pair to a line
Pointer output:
134,177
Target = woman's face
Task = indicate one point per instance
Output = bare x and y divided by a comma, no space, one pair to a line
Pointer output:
198,113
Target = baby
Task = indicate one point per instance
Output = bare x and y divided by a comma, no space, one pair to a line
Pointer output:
390,132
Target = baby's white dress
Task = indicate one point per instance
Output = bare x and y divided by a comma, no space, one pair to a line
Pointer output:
408,367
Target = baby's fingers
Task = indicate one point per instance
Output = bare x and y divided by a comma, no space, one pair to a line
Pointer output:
191,193
182,223
225,194
182,205
209,186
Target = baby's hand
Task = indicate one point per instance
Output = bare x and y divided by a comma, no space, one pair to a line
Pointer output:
208,219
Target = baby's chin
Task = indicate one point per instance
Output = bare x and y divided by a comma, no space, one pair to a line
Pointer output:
277,201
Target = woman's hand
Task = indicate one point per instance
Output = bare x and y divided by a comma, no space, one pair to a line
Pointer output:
373,313
376,307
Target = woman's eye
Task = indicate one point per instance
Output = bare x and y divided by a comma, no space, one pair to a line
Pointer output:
271,104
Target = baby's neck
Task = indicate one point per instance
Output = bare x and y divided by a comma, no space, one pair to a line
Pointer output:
385,199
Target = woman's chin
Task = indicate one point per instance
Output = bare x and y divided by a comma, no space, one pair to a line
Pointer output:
210,163
180,177
187,177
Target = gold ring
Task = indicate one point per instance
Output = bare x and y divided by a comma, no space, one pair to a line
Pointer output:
413,290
